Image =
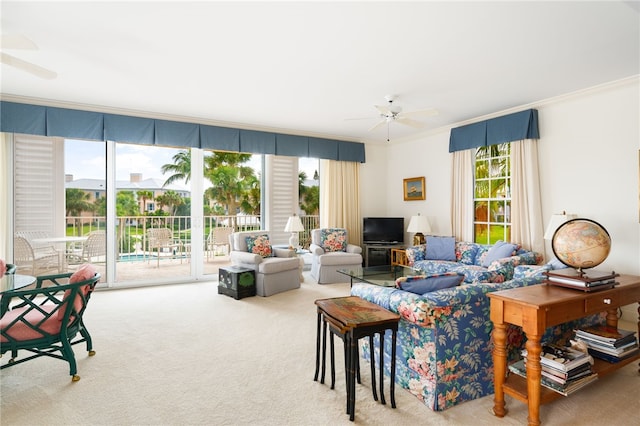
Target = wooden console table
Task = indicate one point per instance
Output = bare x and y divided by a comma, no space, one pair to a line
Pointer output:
535,308
399,257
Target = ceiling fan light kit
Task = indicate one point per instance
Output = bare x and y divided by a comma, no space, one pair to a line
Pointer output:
392,112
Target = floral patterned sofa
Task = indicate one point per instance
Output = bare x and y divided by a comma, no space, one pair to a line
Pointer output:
472,260
443,350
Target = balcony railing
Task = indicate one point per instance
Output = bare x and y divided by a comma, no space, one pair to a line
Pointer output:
132,230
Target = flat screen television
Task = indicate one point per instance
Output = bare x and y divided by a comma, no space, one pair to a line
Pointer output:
383,230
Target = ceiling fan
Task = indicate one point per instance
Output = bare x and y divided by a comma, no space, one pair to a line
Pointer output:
392,112
19,42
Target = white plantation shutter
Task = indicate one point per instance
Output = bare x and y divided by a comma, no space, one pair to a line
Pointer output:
281,195
39,185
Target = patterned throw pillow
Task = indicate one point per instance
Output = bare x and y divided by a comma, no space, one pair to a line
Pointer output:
259,244
416,253
466,252
333,239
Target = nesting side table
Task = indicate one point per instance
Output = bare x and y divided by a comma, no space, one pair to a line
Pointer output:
354,318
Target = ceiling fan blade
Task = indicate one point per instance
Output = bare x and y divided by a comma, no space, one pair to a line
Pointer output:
17,42
384,109
428,112
410,122
377,126
34,69
361,118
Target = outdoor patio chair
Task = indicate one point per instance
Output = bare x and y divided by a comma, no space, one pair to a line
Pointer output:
35,261
93,250
218,237
161,240
41,321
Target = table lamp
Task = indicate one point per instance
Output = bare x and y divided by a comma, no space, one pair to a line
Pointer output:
294,225
555,222
418,224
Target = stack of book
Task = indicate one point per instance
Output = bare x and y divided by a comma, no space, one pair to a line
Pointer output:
564,370
609,343
585,281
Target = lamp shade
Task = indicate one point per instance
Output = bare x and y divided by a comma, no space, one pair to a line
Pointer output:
419,224
294,224
555,222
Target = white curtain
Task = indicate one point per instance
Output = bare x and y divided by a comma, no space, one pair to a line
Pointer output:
340,197
462,163
6,183
526,210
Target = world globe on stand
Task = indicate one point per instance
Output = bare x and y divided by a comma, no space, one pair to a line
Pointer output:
581,243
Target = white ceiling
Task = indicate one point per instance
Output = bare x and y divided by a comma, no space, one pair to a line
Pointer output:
308,67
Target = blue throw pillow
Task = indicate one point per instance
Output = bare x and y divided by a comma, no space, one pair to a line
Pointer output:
498,251
441,248
421,284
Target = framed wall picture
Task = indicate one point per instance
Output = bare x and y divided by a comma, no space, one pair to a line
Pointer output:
414,189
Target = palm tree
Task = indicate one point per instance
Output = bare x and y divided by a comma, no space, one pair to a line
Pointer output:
144,196
302,176
234,185
311,200
76,202
309,195
181,168
170,199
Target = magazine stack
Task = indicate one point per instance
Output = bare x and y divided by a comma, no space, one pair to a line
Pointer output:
564,370
608,343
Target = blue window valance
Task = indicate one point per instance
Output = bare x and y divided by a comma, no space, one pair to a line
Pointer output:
508,128
77,124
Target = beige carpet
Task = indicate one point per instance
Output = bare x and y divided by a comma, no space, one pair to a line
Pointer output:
182,354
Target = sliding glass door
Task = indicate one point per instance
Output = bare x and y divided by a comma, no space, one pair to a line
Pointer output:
145,214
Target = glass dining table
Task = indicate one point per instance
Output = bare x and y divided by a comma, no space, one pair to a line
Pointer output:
15,282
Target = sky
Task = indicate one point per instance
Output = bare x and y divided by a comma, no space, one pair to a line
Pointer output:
87,159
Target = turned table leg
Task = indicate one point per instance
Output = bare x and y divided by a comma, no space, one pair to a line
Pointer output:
533,378
499,367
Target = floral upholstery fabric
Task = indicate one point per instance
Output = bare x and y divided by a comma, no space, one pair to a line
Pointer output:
259,244
443,351
469,260
333,239
416,253
466,252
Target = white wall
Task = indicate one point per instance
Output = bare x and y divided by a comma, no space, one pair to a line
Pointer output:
589,153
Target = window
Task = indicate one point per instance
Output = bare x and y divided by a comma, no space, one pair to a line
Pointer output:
492,194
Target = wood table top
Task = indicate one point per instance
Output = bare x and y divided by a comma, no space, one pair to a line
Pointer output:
546,294
352,311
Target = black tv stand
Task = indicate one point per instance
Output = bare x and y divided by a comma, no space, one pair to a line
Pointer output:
378,254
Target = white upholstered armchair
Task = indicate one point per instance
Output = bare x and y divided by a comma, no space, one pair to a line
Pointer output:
331,251
276,269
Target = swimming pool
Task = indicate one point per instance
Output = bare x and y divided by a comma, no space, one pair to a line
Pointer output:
134,257
142,257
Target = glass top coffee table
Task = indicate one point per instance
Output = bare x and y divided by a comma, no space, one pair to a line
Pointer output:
384,275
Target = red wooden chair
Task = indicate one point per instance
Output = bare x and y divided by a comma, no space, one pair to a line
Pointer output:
46,320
